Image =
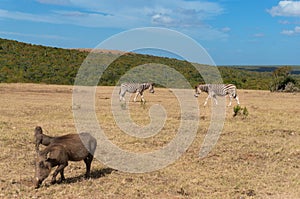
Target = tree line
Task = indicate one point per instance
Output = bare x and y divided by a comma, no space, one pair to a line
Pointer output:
27,63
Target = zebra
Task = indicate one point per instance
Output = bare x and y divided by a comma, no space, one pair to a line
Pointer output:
135,88
214,90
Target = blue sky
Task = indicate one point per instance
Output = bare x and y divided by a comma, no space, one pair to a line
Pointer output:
234,32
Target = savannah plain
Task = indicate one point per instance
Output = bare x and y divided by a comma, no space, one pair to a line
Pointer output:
257,156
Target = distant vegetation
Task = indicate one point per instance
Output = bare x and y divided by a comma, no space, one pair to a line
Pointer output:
21,62
283,80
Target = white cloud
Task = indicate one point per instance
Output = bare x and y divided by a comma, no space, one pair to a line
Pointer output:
55,2
297,29
259,35
131,13
287,22
286,8
45,36
226,29
294,31
162,19
177,14
284,22
26,16
287,32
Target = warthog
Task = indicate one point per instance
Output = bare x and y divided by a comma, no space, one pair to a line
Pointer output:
71,147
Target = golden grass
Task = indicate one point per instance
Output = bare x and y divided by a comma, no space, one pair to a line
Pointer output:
255,157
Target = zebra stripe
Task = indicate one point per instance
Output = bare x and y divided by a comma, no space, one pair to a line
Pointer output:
135,88
214,90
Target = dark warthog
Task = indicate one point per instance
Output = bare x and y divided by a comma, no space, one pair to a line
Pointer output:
71,147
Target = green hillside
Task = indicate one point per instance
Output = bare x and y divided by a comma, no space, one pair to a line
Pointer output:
21,62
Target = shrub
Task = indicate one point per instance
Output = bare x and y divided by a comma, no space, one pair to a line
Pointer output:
245,111
240,111
236,110
291,87
283,81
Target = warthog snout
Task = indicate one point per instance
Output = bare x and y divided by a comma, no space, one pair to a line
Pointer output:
37,182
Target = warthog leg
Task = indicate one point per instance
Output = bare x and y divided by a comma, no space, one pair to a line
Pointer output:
62,176
59,169
88,160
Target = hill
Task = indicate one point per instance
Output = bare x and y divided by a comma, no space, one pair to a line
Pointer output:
27,63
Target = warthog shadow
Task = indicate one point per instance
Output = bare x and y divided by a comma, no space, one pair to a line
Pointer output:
94,175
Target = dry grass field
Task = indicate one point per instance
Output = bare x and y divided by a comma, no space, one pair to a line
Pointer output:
255,157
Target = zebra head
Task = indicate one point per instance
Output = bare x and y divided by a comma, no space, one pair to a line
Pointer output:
151,87
197,90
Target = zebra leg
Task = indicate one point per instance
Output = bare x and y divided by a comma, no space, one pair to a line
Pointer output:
237,100
122,94
136,95
142,97
206,100
121,97
230,98
215,98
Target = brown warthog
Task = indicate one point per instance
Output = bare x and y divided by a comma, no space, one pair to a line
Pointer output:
71,147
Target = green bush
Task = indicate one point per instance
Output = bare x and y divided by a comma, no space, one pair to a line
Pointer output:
245,111
283,80
240,111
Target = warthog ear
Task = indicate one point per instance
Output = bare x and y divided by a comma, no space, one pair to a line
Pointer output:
44,165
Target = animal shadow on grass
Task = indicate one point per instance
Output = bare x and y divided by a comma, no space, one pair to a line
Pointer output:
94,175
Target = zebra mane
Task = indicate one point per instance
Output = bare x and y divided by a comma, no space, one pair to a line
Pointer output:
147,84
204,87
